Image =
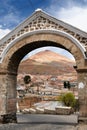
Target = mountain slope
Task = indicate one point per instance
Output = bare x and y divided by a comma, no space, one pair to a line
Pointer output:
47,62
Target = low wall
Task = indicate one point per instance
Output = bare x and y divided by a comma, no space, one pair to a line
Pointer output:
63,110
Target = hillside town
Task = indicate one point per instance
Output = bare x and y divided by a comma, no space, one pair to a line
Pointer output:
39,91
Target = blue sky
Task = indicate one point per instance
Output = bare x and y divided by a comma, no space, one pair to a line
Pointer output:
13,12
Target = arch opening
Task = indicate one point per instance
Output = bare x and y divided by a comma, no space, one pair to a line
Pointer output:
50,80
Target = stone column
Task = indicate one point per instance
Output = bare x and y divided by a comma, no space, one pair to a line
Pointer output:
8,97
3,93
82,91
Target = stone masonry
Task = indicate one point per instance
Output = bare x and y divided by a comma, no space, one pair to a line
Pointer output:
37,31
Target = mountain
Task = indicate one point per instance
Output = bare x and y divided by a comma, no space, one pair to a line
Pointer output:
47,63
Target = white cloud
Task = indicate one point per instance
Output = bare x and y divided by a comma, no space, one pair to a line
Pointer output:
3,32
75,16
72,12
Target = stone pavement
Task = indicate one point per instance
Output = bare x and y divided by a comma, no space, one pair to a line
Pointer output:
46,118
45,122
26,126
41,126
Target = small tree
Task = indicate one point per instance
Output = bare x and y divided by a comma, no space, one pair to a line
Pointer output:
27,79
68,99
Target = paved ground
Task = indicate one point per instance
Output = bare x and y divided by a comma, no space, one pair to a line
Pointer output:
44,118
44,122
37,127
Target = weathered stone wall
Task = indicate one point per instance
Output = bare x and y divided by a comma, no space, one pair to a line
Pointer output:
82,90
11,93
3,93
7,94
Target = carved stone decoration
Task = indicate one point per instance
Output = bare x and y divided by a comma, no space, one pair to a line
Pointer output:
42,21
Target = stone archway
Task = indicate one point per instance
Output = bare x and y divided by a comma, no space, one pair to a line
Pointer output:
19,48
40,30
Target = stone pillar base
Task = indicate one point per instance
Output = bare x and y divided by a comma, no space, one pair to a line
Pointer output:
9,118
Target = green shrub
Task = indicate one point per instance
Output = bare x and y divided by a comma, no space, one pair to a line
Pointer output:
68,99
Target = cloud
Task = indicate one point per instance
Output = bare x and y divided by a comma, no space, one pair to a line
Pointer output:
10,20
3,32
9,14
75,16
72,12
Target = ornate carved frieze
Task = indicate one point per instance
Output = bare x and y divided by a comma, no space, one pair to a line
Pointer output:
41,23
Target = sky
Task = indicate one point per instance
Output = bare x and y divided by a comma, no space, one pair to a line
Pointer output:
13,12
